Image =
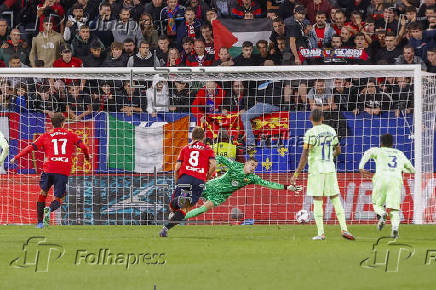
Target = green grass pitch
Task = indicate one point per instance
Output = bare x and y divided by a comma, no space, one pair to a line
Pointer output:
217,257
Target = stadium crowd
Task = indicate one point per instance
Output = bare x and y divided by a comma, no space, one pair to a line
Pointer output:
138,33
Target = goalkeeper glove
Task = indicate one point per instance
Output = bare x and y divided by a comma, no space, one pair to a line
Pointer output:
296,188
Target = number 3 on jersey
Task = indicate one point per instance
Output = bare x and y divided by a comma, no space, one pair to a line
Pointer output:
193,158
63,146
393,163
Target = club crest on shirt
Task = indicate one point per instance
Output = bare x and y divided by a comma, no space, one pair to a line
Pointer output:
235,183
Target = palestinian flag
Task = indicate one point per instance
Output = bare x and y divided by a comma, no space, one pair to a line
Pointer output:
232,33
140,149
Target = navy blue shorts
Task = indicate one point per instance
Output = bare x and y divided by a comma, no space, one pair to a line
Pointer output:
58,180
188,187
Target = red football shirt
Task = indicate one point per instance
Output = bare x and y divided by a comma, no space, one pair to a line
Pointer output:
59,146
195,160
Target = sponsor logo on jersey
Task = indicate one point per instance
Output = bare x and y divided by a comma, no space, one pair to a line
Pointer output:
196,146
195,169
58,133
62,159
235,183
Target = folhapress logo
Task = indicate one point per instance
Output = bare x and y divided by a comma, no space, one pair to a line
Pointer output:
38,254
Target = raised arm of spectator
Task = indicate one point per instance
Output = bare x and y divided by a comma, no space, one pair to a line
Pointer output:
294,50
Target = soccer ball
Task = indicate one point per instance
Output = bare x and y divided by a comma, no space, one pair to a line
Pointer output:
302,216
237,214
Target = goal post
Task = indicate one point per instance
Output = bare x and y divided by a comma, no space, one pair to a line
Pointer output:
129,180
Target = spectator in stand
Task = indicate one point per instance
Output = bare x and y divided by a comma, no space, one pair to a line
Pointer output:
6,95
369,30
78,105
96,55
200,57
431,56
74,22
300,91
360,43
81,43
320,97
339,21
360,6
431,18
108,100
286,8
44,102
321,34
297,34
190,27
102,25
314,6
336,42
188,48
115,58
134,6
180,98
208,100
421,40
247,58
268,100
246,9
371,100
225,59
356,24
46,45
278,30
211,14
149,32
52,11
126,28
426,4
375,9
129,47
28,18
154,8
131,101
174,57
402,97
162,50
19,101
389,21
90,7
144,58
67,59
158,97
4,31
262,47
238,99
171,17
346,38
206,34
223,8
199,7
409,57
411,14
15,46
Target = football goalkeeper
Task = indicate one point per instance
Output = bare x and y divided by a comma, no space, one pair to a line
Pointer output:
237,176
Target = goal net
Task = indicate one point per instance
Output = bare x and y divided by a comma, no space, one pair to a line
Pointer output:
136,120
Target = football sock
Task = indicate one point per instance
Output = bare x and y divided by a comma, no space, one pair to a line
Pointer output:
40,204
195,212
395,219
339,210
178,216
318,214
379,210
54,205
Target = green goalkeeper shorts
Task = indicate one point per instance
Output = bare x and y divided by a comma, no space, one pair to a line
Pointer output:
322,184
215,197
387,191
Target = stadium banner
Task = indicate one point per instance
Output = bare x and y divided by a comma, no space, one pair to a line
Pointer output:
275,125
145,147
251,30
230,122
143,199
86,131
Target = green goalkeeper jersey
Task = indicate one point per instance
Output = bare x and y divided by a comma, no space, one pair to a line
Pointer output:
235,178
321,141
390,162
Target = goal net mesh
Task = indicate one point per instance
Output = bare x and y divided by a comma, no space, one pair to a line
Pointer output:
135,123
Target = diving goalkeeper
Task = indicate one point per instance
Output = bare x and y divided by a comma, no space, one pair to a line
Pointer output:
237,176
